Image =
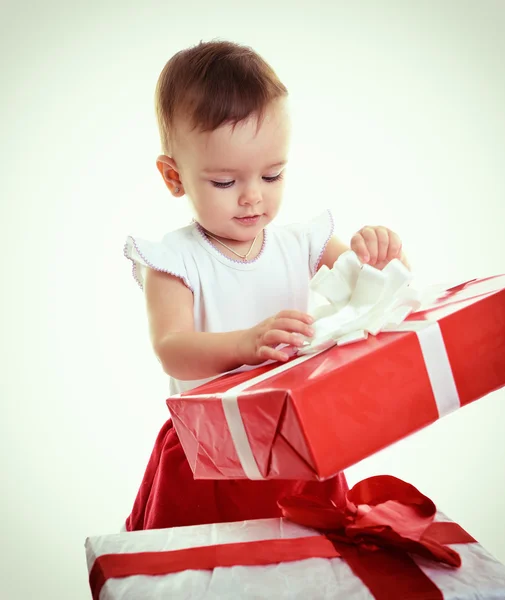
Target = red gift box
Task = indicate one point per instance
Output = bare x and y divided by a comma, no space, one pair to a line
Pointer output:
319,414
387,543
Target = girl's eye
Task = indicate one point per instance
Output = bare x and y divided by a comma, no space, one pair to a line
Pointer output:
274,178
228,184
222,184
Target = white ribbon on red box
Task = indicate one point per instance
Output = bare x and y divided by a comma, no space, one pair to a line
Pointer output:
361,300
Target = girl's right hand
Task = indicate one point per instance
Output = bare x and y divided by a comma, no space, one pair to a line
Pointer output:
259,343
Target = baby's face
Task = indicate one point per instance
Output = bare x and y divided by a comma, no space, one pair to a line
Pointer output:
234,176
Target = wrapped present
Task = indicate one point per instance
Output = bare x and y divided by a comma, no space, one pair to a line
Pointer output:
389,543
386,361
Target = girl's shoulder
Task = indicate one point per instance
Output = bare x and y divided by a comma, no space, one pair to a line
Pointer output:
173,241
321,224
311,237
166,255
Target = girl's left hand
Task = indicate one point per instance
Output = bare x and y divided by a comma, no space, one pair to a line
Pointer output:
377,246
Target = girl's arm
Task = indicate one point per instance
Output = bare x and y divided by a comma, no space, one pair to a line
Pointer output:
189,355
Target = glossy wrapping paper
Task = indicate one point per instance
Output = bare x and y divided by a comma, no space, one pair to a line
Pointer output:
320,414
388,543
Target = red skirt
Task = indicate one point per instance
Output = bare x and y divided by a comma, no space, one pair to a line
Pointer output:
170,497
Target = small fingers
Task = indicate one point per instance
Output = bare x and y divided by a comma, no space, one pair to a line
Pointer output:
267,353
274,337
383,241
376,245
295,314
371,244
395,246
358,245
293,326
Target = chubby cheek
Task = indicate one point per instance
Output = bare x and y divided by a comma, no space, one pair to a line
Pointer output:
273,198
212,204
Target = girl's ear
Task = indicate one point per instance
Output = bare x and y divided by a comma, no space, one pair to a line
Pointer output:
168,169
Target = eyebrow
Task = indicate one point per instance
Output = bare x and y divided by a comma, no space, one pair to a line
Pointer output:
281,163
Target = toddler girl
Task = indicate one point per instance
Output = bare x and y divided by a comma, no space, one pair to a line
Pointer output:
231,289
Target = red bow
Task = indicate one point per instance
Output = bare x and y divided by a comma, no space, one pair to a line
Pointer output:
382,512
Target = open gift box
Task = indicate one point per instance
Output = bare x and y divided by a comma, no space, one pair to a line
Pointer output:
388,543
323,412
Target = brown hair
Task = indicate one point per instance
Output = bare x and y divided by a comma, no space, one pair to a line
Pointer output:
214,83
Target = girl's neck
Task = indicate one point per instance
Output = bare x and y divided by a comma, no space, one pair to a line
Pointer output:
234,249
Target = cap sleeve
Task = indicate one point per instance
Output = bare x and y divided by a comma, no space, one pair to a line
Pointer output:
155,255
319,232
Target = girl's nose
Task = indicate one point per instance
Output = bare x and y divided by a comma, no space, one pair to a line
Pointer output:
251,195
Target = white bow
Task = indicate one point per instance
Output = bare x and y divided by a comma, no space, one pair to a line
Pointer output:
361,300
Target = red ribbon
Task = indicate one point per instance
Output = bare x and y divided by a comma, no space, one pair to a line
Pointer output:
385,520
382,512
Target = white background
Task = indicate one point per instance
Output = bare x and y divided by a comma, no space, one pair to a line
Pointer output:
399,119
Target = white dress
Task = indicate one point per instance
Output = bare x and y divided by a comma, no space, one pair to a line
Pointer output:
231,294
